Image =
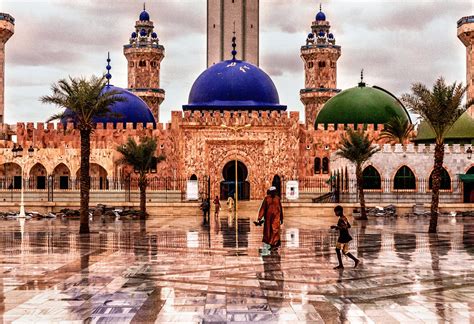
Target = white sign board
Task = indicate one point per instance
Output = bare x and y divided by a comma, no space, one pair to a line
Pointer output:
293,238
292,192
192,191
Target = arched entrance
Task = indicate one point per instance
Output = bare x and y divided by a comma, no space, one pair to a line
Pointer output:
98,177
469,188
11,176
38,176
228,185
276,182
62,175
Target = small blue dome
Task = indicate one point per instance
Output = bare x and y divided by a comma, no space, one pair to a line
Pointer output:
134,35
233,85
154,35
330,35
144,16
132,110
321,34
143,32
310,35
320,16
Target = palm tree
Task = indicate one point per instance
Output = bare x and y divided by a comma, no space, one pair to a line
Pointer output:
398,130
357,148
83,99
142,158
439,108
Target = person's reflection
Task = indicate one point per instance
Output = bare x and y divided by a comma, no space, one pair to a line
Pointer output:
405,245
85,250
468,238
273,279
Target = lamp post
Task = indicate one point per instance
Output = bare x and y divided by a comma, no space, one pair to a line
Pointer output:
18,153
236,129
469,153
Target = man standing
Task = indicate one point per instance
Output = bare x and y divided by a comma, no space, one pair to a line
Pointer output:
271,212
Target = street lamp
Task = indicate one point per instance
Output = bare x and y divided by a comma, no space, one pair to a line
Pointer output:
18,152
469,153
236,129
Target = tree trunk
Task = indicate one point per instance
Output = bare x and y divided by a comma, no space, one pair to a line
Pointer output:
360,188
85,181
436,176
142,183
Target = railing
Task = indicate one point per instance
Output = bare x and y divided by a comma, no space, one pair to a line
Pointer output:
126,189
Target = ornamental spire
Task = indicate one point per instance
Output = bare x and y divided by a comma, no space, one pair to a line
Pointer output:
362,83
108,76
234,45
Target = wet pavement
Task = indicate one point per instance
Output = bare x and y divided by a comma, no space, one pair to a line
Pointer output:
179,270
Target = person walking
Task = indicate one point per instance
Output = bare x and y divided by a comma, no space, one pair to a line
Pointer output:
205,207
342,244
217,206
271,213
230,203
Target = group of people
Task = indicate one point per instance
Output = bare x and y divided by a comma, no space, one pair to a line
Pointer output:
270,215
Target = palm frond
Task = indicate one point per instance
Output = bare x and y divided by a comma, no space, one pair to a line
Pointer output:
356,147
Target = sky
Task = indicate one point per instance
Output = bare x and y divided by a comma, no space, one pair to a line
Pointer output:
397,43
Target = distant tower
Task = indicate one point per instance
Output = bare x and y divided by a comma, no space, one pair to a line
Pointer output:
144,55
466,35
7,24
222,15
320,55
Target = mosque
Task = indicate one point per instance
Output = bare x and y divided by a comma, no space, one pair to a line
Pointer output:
234,113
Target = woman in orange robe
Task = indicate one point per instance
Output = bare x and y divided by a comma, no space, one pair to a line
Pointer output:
272,211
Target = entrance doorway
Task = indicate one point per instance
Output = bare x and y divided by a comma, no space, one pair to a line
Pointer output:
469,188
276,182
228,185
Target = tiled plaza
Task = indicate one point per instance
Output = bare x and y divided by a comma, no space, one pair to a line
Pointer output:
181,270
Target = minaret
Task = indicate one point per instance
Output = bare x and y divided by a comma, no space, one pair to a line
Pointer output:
320,55
144,55
7,24
466,35
223,18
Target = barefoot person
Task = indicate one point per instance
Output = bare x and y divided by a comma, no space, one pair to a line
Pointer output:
217,206
344,237
271,212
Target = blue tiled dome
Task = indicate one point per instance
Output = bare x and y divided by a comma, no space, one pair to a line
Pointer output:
233,85
143,32
144,16
320,16
310,35
154,35
132,110
134,35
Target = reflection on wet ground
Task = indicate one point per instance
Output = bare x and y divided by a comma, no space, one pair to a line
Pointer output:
184,270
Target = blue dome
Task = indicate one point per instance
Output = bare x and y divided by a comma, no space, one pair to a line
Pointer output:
233,85
134,35
144,16
143,32
330,35
320,16
310,35
321,34
132,110
154,35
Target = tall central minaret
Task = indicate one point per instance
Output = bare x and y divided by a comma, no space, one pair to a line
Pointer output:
223,18
6,31
320,55
466,35
144,54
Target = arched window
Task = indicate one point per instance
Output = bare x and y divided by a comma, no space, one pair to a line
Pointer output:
132,64
153,63
193,177
371,178
404,179
445,180
310,65
325,165
322,64
317,165
142,63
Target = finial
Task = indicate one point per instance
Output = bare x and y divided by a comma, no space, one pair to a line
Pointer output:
320,7
144,6
234,45
362,83
108,76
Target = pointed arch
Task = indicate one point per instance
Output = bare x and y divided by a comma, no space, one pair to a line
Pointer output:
193,177
445,180
317,165
404,179
62,176
37,176
371,178
98,175
11,175
325,166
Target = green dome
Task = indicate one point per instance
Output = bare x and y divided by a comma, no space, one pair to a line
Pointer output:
362,105
462,131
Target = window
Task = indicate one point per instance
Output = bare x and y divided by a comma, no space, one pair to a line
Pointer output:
132,64
445,180
193,177
322,64
325,165
317,165
404,179
371,178
251,25
333,65
153,64
142,63
214,26
310,65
